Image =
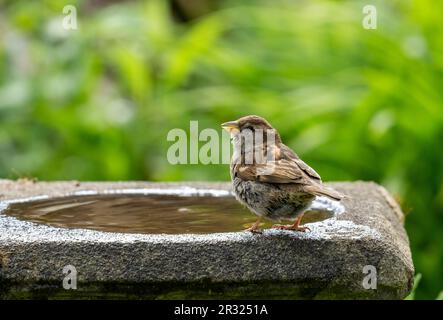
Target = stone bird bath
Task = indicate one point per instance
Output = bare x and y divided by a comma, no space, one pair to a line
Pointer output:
337,259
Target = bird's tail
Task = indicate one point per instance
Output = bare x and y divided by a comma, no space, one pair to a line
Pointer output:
321,190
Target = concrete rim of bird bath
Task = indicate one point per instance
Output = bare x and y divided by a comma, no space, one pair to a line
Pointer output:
329,262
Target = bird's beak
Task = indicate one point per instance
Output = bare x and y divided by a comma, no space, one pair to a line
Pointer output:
231,126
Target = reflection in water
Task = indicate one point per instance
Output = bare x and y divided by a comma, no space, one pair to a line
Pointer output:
144,214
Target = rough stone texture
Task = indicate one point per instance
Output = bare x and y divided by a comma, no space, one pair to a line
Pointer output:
325,263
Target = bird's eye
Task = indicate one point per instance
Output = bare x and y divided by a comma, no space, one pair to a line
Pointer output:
249,128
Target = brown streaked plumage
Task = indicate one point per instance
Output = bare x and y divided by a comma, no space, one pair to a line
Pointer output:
278,185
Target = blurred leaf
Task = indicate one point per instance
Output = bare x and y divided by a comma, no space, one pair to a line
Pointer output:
417,279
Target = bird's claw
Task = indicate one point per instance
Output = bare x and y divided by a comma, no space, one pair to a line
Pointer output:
291,227
254,230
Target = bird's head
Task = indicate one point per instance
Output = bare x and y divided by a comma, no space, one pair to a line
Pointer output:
250,132
252,123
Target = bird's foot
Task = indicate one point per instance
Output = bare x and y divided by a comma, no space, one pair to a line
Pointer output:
254,230
291,227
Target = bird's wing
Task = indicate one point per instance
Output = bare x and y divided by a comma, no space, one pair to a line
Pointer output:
288,154
279,171
286,167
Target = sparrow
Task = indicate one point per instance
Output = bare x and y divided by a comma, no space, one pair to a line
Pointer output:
268,177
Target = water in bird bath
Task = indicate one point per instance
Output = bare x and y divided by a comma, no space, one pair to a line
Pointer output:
150,214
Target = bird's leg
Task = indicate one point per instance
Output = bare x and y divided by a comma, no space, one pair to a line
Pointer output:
255,227
296,226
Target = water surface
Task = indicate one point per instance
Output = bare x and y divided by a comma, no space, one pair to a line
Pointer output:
150,214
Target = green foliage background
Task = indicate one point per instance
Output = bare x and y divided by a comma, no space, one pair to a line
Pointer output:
97,103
